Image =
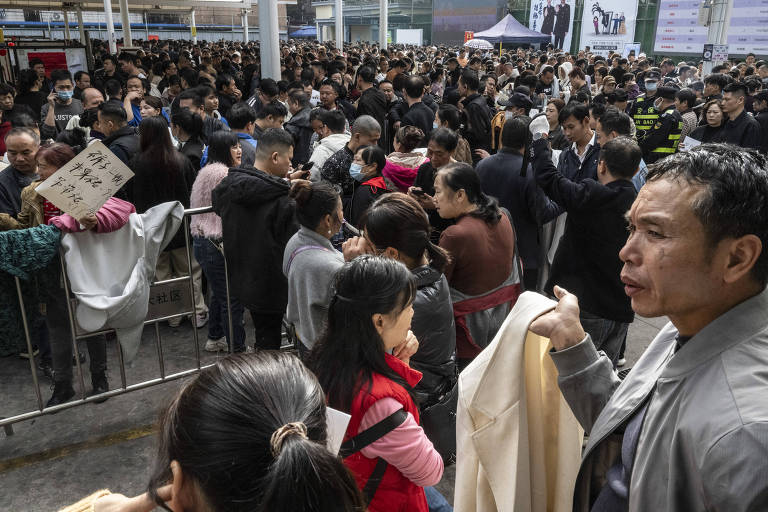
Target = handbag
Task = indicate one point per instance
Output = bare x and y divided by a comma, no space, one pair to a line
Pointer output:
439,423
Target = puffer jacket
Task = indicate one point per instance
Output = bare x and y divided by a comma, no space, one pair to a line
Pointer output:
258,218
433,326
206,225
402,168
301,130
324,150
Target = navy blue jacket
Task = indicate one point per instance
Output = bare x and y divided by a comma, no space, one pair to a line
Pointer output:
501,177
570,167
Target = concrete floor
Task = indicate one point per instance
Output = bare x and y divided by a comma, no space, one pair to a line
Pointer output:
55,460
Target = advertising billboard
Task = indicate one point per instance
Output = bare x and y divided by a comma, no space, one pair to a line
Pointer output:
451,18
607,25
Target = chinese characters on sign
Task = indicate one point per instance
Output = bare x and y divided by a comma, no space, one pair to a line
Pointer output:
83,185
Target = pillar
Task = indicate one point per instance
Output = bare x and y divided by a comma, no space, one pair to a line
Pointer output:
67,35
383,23
269,35
126,19
110,26
339,26
193,27
720,20
80,24
245,25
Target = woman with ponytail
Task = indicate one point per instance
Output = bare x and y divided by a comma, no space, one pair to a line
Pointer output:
310,261
483,275
398,228
362,362
247,434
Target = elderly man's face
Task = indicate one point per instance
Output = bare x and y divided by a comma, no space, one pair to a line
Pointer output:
669,267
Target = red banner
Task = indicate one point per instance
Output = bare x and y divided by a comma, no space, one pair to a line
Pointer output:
468,34
52,60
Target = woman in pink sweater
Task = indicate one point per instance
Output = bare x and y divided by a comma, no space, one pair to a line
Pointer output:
223,152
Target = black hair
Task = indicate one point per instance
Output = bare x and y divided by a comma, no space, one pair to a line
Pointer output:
110,58
735,200
351,350
374,155
190,122
460,176
34,62
613,120
736,87
190,76
445,138
88,117
268,87
335,120
223,80
113,88
240,115
450,114
220,145
597,109
313,202
686,96
74,138
300,98
273,108
190,94
578,110
79,75
397,220
618,95
220,427
273,140
718,79
414,87
470,80
60,74
27,79
116,113
515,133
126,57
156,147
622,156
367,74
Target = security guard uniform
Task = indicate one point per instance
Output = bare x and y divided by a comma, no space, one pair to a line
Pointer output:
643,112
663,137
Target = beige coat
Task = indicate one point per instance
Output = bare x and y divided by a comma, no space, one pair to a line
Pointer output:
518,443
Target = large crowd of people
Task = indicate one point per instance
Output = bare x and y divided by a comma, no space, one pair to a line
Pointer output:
387,208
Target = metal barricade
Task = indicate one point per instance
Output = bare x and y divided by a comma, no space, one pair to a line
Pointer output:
7,423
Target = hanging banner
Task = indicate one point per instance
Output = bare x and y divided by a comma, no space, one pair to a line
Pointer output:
608,25
555,19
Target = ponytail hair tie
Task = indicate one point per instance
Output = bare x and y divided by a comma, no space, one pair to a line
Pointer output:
279,435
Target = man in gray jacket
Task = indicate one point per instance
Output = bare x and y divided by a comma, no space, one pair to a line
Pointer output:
688,428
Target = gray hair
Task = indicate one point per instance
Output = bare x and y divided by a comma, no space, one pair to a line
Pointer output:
23,131
366,125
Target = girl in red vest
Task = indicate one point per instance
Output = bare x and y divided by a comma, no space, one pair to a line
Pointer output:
362,365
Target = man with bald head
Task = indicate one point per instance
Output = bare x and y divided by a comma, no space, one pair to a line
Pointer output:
91,98
21,147
687,429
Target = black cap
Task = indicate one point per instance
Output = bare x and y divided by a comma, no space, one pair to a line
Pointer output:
667,92
518,100
652,75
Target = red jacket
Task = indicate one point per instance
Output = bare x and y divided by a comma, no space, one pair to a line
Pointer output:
395,492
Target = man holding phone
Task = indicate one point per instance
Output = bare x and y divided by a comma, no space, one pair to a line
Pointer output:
61,106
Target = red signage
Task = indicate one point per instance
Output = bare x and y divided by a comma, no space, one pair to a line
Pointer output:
468,34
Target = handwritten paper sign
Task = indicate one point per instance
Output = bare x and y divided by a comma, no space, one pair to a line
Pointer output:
84,184
337,426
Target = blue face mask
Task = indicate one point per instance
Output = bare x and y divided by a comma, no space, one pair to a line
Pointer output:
434,125
356,171
651,86
65,95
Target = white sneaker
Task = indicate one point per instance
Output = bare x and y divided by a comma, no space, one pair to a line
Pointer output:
621,362
200,320
216,345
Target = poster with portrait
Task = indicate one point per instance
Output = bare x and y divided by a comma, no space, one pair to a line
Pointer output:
555,19
607,25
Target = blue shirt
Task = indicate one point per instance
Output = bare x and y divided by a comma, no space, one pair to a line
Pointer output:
639,178
136,115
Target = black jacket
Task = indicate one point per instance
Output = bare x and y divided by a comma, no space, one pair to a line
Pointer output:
420,116
258,218
425,179
477,129
433,326
225,103
744,131
193,150
124,143
587,260
301,130
501,177
762,119
705,133
373,103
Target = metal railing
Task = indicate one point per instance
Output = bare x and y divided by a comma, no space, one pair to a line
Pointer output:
75,337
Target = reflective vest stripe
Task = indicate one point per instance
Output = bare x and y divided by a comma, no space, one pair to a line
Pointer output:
674,137
647,116
644,127
664,150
